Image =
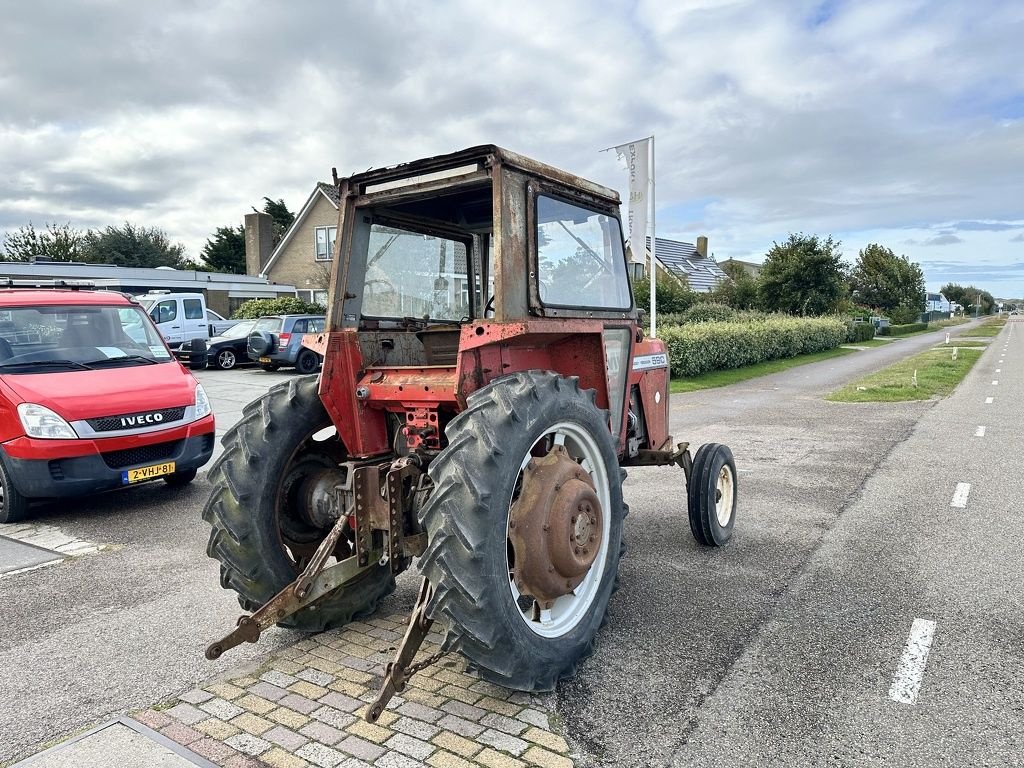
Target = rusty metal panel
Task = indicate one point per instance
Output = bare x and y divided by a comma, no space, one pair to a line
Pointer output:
363,430
653,382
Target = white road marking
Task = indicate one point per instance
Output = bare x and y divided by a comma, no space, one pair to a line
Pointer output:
999,370
910,671
988,400
995,382
960,495
31,568
979,432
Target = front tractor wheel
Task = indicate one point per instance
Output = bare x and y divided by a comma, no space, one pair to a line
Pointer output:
525,529
711,495
271,492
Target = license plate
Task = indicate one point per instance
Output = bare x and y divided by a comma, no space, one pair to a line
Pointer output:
141,474
265,360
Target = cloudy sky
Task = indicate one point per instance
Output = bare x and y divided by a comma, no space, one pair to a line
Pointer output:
886,121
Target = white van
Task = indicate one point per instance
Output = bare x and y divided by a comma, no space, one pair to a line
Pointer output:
181,317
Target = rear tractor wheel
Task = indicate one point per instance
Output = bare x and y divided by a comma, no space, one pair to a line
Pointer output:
271,489
525,529
711,495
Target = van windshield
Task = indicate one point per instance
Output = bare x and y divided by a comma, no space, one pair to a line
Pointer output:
34,339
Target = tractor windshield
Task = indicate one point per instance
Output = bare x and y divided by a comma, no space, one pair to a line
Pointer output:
410,274
580,257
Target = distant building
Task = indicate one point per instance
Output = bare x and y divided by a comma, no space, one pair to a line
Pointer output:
936,302
687,262
752,269
304,255
224,292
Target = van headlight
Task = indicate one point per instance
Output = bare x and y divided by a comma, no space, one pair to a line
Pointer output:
202,402
42,422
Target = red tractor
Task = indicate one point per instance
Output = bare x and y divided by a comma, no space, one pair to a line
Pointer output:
485,379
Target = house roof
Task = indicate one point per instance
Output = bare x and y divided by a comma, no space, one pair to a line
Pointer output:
683,261
323,189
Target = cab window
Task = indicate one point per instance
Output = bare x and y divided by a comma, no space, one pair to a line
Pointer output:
193,309
165,311
580,259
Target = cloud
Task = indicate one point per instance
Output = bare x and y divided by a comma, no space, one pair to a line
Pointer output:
1017,238
985,226
946,239
827,119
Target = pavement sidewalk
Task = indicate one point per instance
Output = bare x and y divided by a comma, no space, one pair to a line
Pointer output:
303,706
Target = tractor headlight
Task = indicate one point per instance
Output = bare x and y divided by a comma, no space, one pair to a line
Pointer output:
202,402
42,422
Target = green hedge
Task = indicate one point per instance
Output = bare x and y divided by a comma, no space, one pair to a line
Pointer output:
859,332
903,330
703,347
285,305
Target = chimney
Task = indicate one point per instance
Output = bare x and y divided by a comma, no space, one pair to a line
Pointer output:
259,239
702,246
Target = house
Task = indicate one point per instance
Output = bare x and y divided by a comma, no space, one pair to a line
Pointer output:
303,257
224,292
687,261
752,269
936,302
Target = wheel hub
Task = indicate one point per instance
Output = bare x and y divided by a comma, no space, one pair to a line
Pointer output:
555,527
318,505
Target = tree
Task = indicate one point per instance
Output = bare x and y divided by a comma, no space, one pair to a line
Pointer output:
225,251
887,282
133,246
803,276
282,217
673,296
58,242
739,291
973,299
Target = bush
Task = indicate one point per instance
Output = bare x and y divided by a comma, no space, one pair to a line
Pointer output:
707,312
702,347
859,332
673,297
286,305
903,330
904,315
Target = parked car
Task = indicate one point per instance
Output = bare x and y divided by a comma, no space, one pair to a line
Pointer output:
276,340
181,317
229,348
91,399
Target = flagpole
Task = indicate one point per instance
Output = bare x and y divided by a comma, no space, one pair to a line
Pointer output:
654,250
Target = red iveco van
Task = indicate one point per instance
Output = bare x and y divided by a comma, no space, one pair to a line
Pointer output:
91,399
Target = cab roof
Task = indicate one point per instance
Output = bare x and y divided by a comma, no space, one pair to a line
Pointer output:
28,297
482,156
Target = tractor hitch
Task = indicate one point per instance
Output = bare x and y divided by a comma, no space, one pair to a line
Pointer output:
314,582
398,672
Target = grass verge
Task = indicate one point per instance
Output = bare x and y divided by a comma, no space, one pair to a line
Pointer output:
734,375
877,342
991,328
948,323
937,375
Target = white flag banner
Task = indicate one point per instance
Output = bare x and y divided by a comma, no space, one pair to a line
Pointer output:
636,155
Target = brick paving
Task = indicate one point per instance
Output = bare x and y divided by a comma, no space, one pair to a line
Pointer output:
303,708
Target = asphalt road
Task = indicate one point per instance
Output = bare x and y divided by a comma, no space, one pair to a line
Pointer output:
782,644
781,648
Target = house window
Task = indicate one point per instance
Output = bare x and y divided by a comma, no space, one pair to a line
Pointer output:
314,296
325,242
